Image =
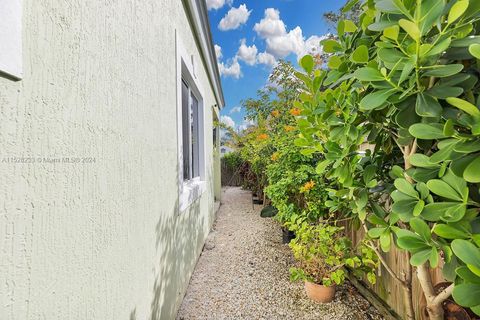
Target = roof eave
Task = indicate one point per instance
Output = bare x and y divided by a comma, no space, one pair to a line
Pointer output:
198,14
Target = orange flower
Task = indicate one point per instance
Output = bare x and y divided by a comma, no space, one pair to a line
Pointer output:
309,185
275,113
289,128
262,136
275,156
295,111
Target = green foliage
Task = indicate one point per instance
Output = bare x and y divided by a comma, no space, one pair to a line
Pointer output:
323,253
233,159
403,86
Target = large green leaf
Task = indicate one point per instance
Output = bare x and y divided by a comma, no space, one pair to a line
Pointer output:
422,161
449,232
458,166
468,146
443,189
391,32
467,294
406,187
446,211
392,6
411,28
368,74
465,106
420,257
467,275
406,117
472,171
331,46
467,252
427,106
431,11
474,50
443,92
376,99
426,131
457,10
412,243
360,55
457,183
307,63
421,228
442,71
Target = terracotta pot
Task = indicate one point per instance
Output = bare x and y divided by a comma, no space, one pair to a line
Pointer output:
319,293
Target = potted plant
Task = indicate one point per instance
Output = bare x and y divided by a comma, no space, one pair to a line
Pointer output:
322,253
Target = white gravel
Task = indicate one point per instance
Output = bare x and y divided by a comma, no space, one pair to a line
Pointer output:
243,273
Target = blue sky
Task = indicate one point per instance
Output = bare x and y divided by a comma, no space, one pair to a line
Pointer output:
250,35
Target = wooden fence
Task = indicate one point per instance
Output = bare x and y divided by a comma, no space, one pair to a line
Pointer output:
388,289
230,176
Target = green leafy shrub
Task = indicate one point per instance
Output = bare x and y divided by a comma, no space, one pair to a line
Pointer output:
323,253
403,85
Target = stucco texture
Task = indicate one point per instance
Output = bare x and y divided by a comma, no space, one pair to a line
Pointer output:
103,239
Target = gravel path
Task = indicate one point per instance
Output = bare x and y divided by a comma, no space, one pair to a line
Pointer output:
243,273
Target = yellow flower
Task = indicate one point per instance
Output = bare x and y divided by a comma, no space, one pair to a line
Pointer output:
275,156
309,185
262,136
295,111
289,128
275,113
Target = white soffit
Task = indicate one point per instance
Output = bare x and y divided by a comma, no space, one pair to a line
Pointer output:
11,38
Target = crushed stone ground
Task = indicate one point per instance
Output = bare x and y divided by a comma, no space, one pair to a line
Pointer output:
243,273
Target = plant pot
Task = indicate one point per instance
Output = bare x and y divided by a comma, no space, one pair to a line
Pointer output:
287,235
319,293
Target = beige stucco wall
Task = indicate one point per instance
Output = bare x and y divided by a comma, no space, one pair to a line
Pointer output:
99,240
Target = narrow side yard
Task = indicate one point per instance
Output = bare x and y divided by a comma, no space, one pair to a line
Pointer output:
243,273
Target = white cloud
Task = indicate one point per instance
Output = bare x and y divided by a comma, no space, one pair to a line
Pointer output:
217,4
270,25
266,58
233,70
281,43
236,109
227,121
246,53
234,18
218,52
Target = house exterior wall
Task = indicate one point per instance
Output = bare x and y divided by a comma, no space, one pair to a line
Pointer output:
101,239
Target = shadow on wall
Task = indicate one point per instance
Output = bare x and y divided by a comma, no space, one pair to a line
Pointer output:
180,240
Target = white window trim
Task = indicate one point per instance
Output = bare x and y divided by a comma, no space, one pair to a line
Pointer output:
191,190
11,39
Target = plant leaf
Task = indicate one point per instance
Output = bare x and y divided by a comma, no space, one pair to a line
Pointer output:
426,131
368,74
420,257
472,171
427,106
474,50
443,189
376,99
411,28
464,106
360,55
406,187
442,71
457,10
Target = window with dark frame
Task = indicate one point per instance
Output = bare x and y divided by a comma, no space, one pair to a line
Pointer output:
190,133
